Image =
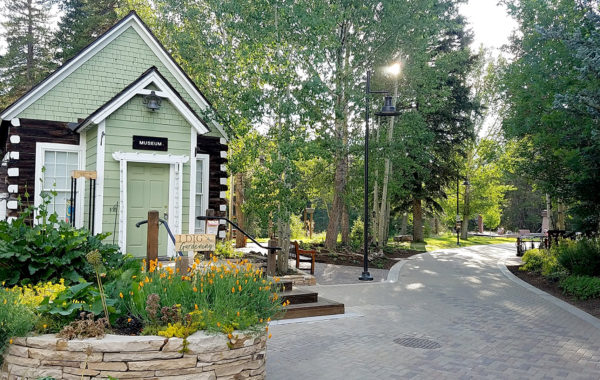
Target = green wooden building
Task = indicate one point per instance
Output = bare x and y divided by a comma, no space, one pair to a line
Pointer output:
124,110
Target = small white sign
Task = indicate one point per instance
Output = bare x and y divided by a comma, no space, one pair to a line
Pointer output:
212,227
195,242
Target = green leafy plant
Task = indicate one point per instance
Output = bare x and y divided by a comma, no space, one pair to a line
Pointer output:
49,249
95,259
533,260
357,233
16,319
75,299
229,295
582,287
225,249
580,257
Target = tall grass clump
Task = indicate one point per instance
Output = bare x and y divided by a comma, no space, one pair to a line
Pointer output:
16,319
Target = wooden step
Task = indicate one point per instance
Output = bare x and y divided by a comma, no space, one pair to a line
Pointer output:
313,309
298,296
284,286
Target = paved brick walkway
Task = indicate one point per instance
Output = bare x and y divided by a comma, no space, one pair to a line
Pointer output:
486,326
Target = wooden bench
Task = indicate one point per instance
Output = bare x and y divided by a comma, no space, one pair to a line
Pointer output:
299,253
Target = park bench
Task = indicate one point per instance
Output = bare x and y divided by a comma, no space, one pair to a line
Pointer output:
302,255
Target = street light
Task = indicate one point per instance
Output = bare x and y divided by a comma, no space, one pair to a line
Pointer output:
388,110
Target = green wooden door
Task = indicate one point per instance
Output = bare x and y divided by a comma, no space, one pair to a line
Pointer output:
147,189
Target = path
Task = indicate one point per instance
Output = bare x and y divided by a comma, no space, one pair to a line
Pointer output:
486,326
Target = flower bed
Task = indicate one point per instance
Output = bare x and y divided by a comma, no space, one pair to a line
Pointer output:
128,357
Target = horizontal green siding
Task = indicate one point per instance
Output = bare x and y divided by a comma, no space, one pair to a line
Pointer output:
100,78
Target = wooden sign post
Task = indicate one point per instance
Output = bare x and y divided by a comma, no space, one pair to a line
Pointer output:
152,237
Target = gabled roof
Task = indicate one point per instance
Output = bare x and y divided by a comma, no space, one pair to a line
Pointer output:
138,87
131,20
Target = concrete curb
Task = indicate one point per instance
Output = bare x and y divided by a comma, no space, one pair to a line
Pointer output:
550,298
394,273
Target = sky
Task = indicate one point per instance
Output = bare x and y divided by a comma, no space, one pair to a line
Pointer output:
489,22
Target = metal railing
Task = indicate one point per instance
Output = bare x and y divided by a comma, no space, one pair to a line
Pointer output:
239,229
164,223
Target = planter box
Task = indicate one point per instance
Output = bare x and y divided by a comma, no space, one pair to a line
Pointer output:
136,357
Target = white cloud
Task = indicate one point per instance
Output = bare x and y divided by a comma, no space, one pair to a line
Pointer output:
490,23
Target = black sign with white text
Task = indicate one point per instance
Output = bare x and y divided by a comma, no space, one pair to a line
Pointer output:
150,143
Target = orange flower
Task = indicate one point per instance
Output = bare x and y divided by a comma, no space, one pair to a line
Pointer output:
233,290
128,320
218,324
10,341
238,313
269,336
195,307
141,284
240,288
195,289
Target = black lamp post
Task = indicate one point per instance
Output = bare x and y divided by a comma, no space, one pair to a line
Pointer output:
387,111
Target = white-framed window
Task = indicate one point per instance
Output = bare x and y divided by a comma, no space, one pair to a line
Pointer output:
201,191
54,164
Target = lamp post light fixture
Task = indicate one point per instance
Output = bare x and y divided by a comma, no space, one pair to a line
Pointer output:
388,110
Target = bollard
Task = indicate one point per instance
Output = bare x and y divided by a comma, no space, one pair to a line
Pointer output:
152,237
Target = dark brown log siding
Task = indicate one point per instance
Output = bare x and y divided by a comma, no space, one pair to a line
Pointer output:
213,147
31,132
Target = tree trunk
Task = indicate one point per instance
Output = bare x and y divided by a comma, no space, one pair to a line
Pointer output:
560,220
30,39
240,240
464,229
417,220
345,227
551,224
340,133
284,233
404,224
384,213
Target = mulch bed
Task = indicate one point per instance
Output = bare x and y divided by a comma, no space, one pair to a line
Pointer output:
591,306
355,258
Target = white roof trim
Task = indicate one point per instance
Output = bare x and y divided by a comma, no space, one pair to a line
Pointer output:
140,89
132,20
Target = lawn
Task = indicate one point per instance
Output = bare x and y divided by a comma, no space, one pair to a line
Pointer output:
449,241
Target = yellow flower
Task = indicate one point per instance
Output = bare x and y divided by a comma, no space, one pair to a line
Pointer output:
10,341
218,324
269,336
44,326
240,288
120,294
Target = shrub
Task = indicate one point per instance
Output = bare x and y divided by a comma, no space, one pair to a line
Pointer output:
49,250
580,257
227,296
544,262
16,319
225,249
297,230
582,287
533,260
357,233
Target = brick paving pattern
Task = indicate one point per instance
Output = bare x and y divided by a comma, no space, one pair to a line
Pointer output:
486,326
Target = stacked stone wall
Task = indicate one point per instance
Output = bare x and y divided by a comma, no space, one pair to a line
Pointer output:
209,357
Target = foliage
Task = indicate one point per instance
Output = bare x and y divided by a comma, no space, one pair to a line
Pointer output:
544,262
16,318
33,295
357,233
580,257
225,249
81,22
50,249
297,227
82,297
229,295
85,327
552,89
27,59
582,287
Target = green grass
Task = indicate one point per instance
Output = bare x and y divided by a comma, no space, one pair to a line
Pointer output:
431,244
449,241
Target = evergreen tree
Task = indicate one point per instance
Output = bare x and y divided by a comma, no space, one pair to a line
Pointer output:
28,57
82,22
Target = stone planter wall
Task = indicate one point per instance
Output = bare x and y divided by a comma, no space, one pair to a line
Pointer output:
136,357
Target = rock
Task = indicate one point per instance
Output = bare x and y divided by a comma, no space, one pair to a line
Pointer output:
38,353
18,351
19,360
185,362
43,341
137,356
118,343
108,366
81,371
128,375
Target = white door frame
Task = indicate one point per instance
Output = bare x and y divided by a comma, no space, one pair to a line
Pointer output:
175,190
